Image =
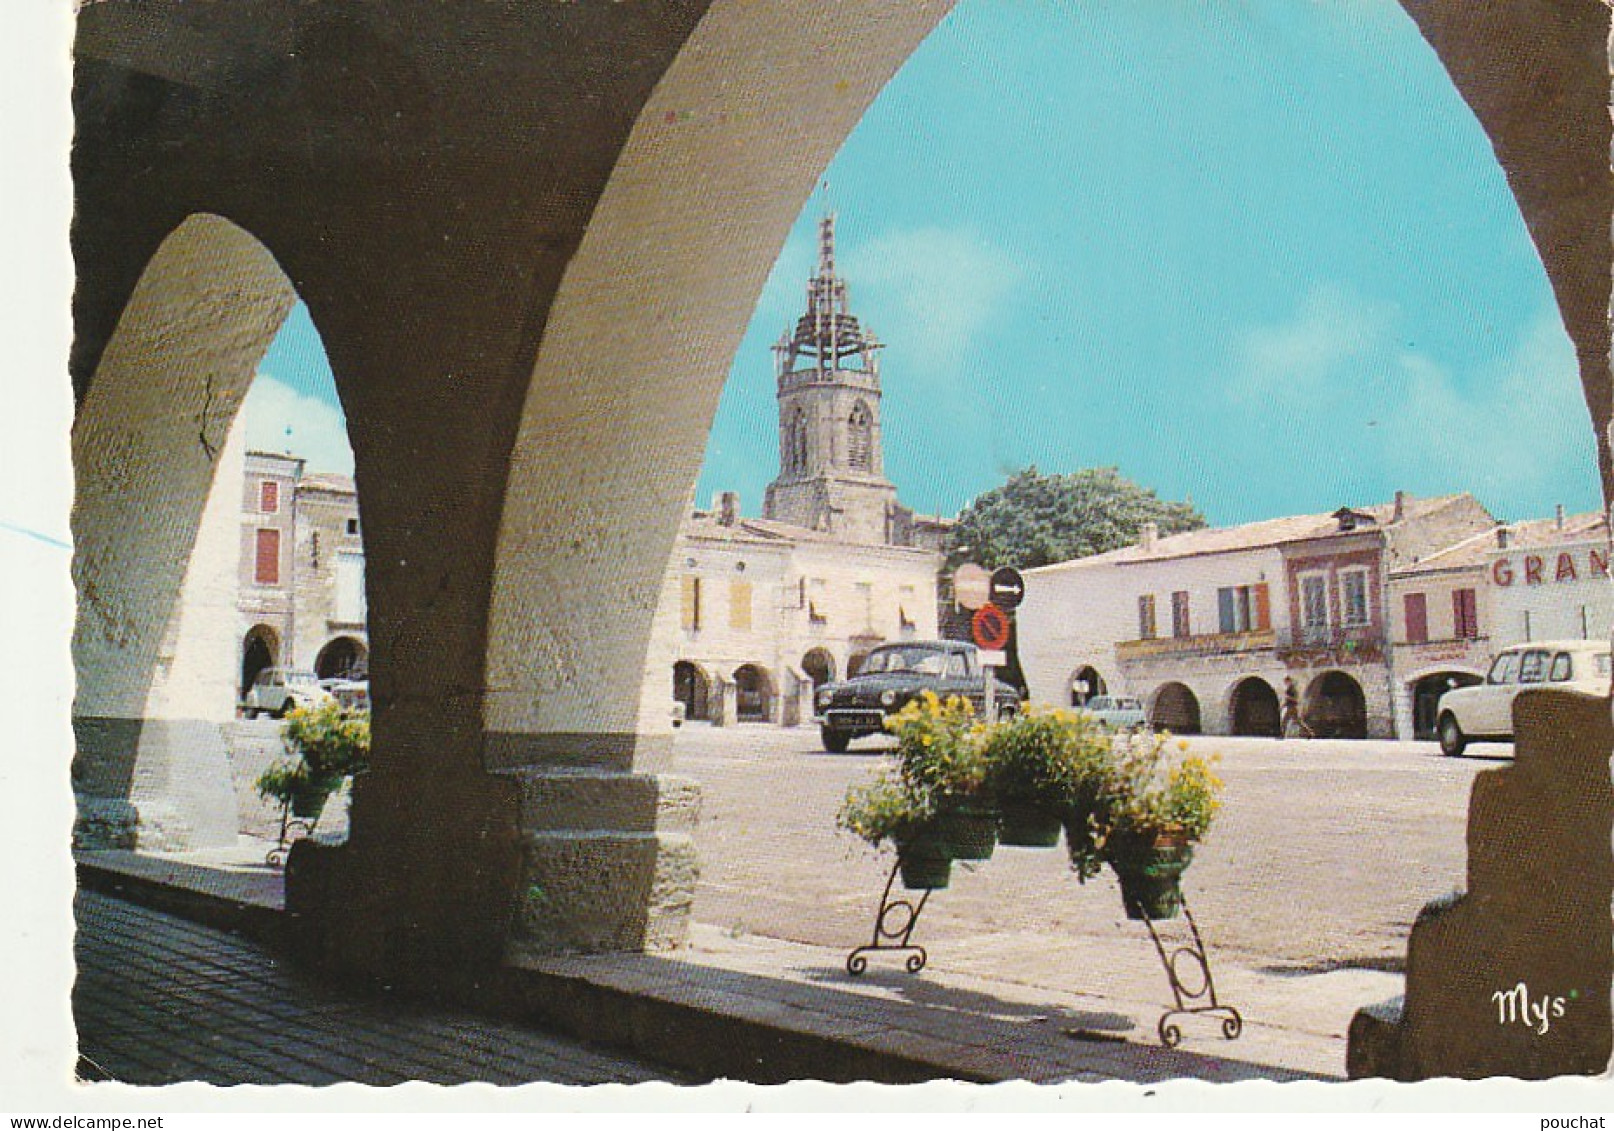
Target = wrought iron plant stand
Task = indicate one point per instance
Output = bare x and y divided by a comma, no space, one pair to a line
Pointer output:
1185,960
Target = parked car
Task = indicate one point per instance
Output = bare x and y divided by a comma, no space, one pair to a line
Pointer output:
891,676
353,694
1118,712
1485,710
277,690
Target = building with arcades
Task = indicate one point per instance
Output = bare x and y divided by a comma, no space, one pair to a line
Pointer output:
1208,627
300,582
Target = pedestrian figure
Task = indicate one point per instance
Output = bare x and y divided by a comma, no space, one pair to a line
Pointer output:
1291,711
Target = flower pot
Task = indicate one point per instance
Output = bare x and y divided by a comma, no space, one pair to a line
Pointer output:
1150,872
1026,824
969,830
924,862
308,797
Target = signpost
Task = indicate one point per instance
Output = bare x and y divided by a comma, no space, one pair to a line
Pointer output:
992,597
990,627
1006,588
971,586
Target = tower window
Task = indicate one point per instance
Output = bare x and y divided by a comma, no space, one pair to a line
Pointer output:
796,444
860,438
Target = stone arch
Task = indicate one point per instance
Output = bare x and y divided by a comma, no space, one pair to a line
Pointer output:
1335,706
155,435
1086,682
342,657
693,688
1175,707
819,666
756,694
1253,708
260,649
498,515
1424,690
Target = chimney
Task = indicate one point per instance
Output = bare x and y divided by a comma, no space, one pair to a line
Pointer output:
1560,516
1400,506
1147,533
1503,537
727,508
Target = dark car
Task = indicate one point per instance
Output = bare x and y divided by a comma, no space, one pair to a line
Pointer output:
891,676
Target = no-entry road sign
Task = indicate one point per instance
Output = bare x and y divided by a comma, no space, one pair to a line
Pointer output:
1006,589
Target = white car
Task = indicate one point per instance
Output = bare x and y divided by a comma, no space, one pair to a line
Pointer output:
1485,711
277,690
1118,712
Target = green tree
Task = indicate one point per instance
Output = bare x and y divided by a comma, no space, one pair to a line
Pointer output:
1035,519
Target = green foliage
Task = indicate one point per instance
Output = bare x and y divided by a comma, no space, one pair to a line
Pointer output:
1151,792
1106,790
325,745
939,747
330,738
1054,757
289,778
884,809
1035,519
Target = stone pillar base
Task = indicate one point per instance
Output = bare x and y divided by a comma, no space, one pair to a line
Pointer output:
162,785
609,862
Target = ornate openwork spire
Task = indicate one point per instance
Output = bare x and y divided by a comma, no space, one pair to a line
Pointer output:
828,334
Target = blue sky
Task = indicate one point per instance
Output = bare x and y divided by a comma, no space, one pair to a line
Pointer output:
1256,254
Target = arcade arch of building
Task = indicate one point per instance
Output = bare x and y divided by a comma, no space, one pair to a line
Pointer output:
472,313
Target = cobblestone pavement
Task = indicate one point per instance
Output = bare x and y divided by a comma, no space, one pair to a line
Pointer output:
161,1000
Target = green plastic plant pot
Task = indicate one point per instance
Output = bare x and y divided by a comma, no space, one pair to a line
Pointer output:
970,831
309,797
1150,875
1025,824
925,871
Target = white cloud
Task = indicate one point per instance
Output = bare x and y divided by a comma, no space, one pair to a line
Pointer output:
944,286
280,419
1334,331
1514,429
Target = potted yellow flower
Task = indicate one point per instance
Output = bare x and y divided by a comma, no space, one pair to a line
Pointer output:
940,755
1155,808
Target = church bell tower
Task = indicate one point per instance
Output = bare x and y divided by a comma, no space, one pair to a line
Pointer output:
831,468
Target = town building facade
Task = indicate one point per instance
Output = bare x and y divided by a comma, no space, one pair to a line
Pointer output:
1209,627
300,582
758,612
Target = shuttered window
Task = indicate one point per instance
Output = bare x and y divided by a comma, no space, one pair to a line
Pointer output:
1465,615
690,604
269,497
266,569
740,605
1416,607
1263,607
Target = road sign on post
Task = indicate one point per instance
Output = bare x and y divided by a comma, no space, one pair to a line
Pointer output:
1006,588
990,627
971,586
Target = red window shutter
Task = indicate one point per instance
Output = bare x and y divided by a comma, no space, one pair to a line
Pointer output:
1263,607
1465,614
267,568
1417,610
269,497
